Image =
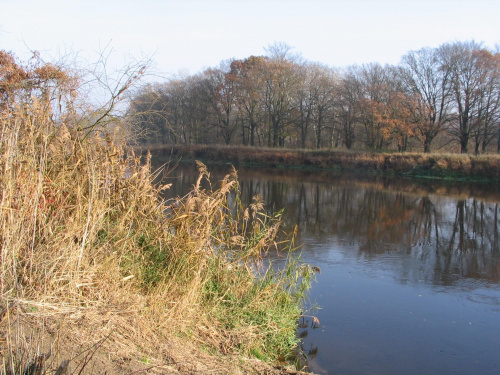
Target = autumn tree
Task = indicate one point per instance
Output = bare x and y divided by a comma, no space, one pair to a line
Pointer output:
150,109
324,88
37,81
487,110
247,77
375,105
176,94
401,107
279,99
194,110
197,111
465,87
347,111
12,76
313,102
220,92
426,83
279,80
163,113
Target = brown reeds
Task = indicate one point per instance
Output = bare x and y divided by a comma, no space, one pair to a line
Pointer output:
99,273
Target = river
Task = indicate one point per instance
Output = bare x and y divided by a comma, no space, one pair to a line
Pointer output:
410,269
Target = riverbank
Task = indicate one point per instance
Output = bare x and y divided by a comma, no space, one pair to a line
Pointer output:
442,166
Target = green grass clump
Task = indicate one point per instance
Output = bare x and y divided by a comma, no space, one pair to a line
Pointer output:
259,315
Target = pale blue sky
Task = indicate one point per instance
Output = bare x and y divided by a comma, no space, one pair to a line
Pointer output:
192,35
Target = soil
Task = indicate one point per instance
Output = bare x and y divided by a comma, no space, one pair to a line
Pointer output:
82,342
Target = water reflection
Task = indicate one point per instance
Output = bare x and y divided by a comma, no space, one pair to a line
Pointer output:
410,269
446,239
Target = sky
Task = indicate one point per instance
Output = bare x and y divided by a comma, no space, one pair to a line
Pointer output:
186,37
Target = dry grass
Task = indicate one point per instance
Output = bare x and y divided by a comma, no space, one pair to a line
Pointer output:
435,165
97,269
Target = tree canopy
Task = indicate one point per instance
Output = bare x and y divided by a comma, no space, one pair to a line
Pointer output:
436,98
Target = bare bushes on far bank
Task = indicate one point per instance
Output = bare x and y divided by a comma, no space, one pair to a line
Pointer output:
434,165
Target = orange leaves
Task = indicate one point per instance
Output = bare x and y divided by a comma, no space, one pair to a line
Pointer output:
385,111
48,72
36,79
11,74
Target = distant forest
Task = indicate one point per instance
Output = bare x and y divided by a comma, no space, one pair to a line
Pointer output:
436,99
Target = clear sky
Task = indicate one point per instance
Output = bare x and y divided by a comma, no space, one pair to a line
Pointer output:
188,36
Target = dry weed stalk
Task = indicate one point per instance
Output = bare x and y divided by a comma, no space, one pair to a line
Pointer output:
90,251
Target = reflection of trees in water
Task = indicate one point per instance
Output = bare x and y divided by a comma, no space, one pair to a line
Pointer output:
471,249
445,239
459,240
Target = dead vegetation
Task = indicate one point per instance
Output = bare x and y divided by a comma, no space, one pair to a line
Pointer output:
430,165
100,275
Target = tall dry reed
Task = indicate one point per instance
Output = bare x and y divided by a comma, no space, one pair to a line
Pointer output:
91,253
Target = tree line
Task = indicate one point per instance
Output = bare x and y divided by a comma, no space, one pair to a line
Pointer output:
445,97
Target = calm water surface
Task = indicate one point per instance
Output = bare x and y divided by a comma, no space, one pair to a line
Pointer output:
410,270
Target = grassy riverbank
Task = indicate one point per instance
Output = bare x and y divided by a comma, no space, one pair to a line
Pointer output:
100,275
447,166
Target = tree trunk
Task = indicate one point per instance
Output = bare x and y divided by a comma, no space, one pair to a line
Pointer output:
476,147
275,133
464,143
252,132
498,140
348,143
318,137
427,144
464,132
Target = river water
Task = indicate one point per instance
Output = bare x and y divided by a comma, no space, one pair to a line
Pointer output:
410,269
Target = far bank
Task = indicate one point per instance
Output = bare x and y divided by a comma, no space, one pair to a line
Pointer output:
443,166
